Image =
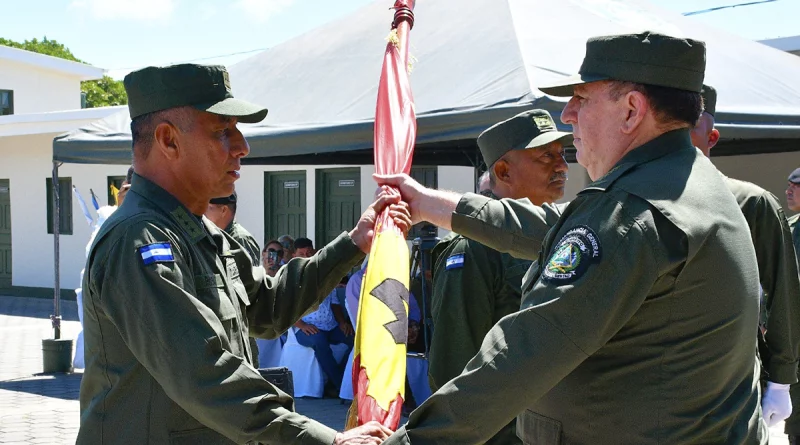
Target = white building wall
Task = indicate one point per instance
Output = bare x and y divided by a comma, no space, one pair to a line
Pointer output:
26,162
38,90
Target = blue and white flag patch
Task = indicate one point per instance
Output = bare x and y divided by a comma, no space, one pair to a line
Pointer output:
454,262
156,253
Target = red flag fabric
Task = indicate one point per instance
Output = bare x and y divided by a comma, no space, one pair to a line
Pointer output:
382,325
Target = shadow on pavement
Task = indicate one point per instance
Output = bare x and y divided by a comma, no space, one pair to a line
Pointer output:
36,308
60,386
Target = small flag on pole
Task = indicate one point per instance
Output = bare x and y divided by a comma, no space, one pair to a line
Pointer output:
94,200
82,203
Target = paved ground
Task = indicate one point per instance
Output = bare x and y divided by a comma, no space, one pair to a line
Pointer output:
43,409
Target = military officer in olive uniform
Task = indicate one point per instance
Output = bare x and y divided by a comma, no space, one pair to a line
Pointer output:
170,299
474,286
639,324
222,212
777,270
792,426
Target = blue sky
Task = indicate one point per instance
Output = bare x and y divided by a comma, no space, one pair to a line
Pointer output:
121,35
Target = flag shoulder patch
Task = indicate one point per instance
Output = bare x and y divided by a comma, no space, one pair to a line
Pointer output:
454,262
156,253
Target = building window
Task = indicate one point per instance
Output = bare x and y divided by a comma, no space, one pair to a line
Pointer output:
6,102
114,184
429,177
64,205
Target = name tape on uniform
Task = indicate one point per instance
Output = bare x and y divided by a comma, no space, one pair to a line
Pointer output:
454,262
156,253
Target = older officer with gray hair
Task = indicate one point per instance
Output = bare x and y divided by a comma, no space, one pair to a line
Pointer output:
639,324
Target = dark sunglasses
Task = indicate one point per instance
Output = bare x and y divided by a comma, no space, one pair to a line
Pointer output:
280,252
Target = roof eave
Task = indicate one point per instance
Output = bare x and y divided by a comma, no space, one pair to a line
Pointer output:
67,67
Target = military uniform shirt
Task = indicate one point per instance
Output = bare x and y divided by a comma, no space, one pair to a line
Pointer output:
778,275
246,240
792,426
474,286
638,327
167,309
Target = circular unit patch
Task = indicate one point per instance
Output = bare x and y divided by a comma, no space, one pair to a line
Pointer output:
578,248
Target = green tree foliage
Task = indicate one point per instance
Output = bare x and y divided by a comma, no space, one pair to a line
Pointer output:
99,93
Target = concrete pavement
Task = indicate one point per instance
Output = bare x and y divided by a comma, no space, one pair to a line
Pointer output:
43,409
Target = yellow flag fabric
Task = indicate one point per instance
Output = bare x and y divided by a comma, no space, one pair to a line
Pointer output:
382,331
115,193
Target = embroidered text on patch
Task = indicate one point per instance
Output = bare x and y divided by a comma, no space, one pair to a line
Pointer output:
454,262
578,248
156,253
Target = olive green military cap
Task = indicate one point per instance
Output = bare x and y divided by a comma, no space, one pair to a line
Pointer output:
795,176
709,94
648,58
529,129
204,87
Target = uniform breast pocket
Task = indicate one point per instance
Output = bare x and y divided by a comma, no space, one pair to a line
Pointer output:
533,428
211,291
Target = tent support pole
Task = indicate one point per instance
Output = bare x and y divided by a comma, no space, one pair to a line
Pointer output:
56,317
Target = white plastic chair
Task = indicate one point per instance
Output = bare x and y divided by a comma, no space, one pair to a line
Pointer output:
309,380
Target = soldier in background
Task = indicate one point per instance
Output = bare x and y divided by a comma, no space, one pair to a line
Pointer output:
474,286
777,269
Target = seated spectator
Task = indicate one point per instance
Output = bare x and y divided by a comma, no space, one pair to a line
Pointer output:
287,242
319,330
271,257
303,248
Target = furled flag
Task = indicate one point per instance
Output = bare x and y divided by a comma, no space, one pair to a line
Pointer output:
94,200
115,194
379,365
82,203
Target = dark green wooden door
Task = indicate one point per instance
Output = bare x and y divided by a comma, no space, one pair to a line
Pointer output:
5,234
284,205
338,202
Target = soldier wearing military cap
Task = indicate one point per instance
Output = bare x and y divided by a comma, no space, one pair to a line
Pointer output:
222,212
777,269
170,299
638,324
474,286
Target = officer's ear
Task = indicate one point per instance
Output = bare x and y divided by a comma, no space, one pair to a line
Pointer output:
502,171
636,107
166,139
713,138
